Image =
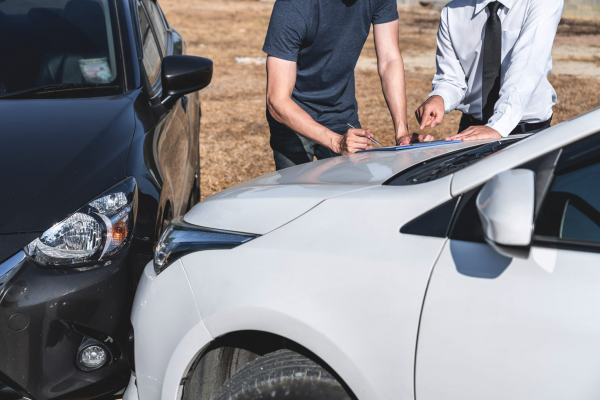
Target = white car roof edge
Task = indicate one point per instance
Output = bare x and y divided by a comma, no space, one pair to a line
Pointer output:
530,148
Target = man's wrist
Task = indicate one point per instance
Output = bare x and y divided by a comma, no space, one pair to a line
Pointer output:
334,141
499,128
401,134
402,130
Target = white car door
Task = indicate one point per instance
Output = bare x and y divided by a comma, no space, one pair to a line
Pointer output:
495,327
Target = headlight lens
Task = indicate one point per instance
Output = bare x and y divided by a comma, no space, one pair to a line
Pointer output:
93,233
181,238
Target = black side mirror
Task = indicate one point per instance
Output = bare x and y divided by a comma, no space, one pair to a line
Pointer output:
182,75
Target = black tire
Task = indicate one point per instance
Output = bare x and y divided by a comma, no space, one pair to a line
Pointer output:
283,374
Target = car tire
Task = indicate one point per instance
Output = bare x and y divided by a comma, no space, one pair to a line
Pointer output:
283,374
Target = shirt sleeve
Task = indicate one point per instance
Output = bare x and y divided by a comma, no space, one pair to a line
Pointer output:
528,64
387,11
286,32
449,81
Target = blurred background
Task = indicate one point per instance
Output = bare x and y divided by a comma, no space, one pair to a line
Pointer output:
234,140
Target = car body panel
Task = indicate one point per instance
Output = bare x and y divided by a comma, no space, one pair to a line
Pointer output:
59,304
62,153
10,243
530,333
355,249
258,209
520,322
256,206
362,169
171,292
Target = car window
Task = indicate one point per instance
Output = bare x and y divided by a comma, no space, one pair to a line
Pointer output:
159,25
151,56
434,223
162,14
58,42
467,224
571,209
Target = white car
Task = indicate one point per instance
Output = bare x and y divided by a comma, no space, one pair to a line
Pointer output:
455,271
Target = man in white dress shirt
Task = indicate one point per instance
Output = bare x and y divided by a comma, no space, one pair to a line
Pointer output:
493,62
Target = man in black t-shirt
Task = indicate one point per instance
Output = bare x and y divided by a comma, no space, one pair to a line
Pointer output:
313,47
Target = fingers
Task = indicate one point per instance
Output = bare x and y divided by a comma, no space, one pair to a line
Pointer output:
476,133
360,132
431,113
357,140
413,138
403,140
406,141
419,113
427,117
481,136
461,135
437,119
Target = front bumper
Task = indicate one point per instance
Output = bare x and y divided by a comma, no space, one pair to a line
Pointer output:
132,392
169,332
46,313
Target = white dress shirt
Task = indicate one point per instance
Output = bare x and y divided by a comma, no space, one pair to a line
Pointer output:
528,31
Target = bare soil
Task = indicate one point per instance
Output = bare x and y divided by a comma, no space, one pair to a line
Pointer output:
235,135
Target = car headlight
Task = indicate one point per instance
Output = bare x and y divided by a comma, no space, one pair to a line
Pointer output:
93,233
181,238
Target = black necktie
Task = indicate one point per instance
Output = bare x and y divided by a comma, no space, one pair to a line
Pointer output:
492,60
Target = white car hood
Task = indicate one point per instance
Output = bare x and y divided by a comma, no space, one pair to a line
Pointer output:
270,201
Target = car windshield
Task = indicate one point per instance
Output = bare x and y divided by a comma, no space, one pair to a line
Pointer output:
49,43
447,164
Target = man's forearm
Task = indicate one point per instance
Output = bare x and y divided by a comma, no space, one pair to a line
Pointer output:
394,91
287,112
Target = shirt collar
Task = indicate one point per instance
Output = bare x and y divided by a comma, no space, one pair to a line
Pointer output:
482,4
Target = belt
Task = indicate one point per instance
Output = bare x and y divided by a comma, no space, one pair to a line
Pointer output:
522,127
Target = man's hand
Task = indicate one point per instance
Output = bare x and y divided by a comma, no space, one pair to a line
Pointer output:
414,138
431,113
354,140
476,133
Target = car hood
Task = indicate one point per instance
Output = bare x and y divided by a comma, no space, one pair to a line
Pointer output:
268,202
57,155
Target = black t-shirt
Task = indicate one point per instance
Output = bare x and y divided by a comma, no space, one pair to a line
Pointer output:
325,38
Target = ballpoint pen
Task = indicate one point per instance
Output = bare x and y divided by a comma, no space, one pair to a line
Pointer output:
370,138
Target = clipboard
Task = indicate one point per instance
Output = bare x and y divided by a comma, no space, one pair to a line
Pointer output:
413,146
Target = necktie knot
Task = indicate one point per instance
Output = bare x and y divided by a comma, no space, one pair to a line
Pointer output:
494,6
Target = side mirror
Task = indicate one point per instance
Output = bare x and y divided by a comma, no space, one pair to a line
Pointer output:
182,75
506,209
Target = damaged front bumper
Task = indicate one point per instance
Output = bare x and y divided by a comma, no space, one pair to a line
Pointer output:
48,314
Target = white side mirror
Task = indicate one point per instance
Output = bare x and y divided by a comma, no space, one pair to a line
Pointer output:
506,209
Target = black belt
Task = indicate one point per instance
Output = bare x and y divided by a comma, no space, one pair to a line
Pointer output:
523,127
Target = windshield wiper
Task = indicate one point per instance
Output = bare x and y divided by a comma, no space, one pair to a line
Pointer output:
447,164
60,88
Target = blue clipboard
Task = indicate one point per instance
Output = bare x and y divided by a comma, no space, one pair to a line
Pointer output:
413,146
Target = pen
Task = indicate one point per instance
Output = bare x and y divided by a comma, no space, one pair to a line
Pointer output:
371,139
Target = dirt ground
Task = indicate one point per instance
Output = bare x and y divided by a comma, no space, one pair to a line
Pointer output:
235,136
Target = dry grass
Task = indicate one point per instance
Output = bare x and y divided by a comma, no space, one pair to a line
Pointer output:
235,135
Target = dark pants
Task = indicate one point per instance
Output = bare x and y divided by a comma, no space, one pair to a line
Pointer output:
468,121
291,148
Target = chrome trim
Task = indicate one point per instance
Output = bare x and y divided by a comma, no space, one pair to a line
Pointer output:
9,268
